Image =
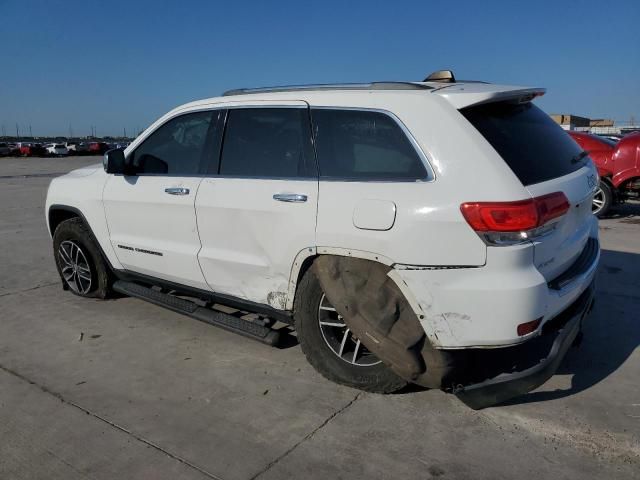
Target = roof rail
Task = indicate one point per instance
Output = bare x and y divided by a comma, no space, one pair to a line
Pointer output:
329,86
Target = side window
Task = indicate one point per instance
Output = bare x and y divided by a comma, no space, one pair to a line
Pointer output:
268,142
364,145
179,147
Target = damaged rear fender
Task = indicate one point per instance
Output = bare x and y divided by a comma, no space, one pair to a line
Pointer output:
378,312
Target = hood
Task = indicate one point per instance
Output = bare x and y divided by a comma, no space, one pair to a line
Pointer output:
84,171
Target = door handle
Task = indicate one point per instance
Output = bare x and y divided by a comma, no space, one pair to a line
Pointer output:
177,191
290,197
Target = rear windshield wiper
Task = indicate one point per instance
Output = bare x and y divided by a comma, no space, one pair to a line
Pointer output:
577,158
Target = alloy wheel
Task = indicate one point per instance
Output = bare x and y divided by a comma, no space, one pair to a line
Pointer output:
74,266
598,201
339,338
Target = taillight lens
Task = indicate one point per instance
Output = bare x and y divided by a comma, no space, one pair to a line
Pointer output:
552,206
501,216
521,218
526,328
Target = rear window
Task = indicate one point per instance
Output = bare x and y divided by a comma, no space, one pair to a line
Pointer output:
534,146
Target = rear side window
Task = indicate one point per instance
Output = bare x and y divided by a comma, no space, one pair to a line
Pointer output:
534,146
268,143
364,145
179,147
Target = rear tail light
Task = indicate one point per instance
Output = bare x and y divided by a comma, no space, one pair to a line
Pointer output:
508,223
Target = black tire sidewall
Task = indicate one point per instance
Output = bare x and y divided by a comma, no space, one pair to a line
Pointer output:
75,230
375,378
608,198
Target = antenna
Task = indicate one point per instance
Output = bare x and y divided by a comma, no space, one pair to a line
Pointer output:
441,76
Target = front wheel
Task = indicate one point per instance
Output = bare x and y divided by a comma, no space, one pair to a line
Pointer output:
79,260
602,199
332,349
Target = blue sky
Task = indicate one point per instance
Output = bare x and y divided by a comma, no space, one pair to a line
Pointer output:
121,64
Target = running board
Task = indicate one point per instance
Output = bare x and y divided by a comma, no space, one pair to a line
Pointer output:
219,319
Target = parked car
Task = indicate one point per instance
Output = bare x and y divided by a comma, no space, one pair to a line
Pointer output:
14,149
98,148
28,149
613,138
618,165
58,149
4,149
427,232
77,148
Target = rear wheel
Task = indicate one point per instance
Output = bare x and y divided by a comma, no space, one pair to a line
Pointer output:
332,349
602,199
79,260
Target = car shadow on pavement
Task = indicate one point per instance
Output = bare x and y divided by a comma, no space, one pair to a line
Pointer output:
611,332
624,210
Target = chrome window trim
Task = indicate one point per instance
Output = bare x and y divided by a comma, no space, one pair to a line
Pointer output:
431,176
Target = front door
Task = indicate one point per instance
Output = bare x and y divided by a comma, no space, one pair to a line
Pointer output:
259,212
151,214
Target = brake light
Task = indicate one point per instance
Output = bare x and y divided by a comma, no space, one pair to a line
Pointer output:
513,222
514,216
501,216
552,206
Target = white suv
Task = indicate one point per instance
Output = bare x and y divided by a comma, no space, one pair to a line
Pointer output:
434,232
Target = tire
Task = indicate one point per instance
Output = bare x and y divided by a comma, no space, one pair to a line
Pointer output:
376,378
602,200
91,277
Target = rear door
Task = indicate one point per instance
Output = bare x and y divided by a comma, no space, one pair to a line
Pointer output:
546,160
258,210
151,214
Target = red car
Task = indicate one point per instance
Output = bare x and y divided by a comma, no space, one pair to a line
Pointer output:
618,164
28,149
96,148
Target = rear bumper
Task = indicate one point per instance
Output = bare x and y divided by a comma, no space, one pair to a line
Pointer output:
560,334
481,307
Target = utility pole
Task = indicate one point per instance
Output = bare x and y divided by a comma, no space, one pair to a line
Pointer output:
17,132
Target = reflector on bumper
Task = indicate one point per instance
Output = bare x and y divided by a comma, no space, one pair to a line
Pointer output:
509,385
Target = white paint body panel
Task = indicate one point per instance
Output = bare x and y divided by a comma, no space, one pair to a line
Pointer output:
143,218
82,189
482,307
250,240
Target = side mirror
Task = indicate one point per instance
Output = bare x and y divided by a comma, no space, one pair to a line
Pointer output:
114,161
